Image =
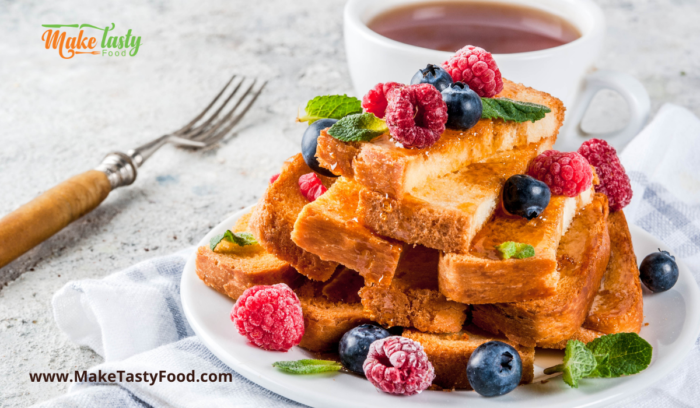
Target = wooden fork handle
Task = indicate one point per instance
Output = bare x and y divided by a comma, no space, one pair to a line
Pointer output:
39,219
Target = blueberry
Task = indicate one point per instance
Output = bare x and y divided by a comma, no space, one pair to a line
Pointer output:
355,343
309,143
463,106
494,368
433,75
659,271
525,196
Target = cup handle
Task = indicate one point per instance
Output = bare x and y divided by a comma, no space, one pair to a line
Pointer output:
631,90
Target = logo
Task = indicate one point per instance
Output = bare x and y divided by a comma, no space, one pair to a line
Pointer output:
82,43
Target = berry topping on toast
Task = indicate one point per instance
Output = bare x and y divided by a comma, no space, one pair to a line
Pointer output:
566,174
311,186
376,100
416,115
614,182
433,75
476,67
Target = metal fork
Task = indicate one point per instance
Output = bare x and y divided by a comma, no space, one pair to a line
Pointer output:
52,211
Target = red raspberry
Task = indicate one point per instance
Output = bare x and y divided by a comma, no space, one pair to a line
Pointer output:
376,99
274,178
614,182
311,186
416,115
476,67
398,365
566,174
269,316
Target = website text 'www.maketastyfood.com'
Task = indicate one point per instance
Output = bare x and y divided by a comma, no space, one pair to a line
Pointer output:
123,376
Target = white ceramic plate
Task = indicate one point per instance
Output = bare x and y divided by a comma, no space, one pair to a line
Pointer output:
673,321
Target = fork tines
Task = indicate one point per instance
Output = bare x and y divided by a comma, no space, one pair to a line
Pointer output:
234,100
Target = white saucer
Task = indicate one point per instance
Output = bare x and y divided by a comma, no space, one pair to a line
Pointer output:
673,319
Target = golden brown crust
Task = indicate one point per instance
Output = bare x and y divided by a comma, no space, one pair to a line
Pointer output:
233,269
336,156
582,257
450,353
329,228
274,216
413,299
325,322
384,167
618,307
447,211
582,334
416,221
481,276
329,310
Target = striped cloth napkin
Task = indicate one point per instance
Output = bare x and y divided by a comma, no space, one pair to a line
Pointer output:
134,318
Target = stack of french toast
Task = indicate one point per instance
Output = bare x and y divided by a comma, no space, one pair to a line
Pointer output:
406,238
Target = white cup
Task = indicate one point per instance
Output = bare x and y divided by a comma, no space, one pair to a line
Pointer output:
566,72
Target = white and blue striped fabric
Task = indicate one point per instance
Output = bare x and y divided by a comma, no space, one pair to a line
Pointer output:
134,318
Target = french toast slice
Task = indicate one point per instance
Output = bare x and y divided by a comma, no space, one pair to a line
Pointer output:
330,309
619,306
582,258
232,269
413,299
446,212
329,228
274,216
386,167
480,275
450,352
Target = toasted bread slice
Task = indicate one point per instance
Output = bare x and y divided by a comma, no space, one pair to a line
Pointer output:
449,353
582,258
274,216
582,334
481,276
386,167
330,309
329,228
413,299
232,269
447,211
618,306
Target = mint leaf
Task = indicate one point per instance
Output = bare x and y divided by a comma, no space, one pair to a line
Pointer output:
516,250
612,355
330,107
510,110
238,238
578,363
619,354
361,127
307,366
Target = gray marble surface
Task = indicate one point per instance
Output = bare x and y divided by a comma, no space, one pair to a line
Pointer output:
60,117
